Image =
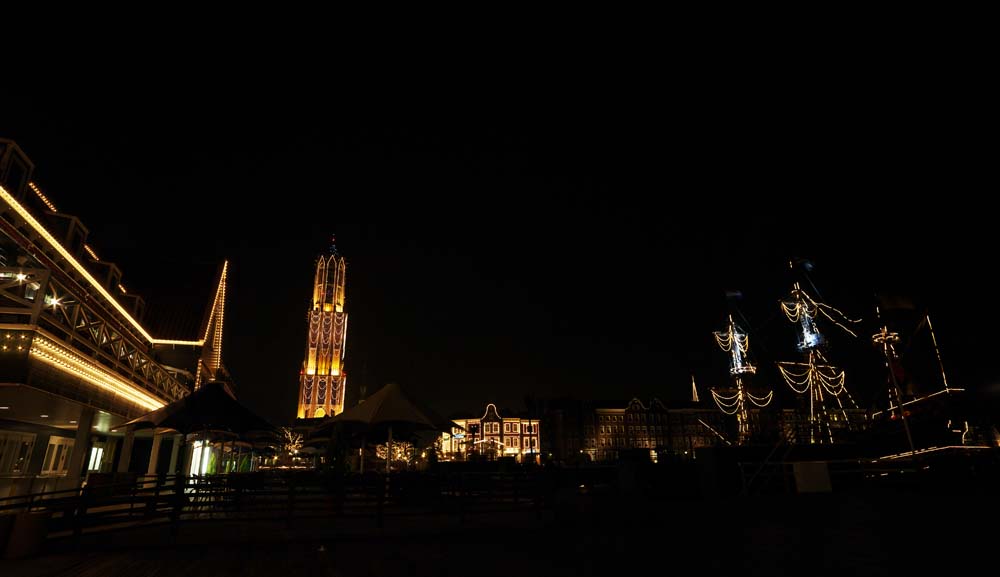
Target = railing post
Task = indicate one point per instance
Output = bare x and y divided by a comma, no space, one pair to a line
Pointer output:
178,504
538,494
238,496
151,506
131,495
461,498
339,490
79,514
380,503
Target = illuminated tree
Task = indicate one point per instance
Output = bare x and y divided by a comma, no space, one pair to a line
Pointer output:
401,451
291,441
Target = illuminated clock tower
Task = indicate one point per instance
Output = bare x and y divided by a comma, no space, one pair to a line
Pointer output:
322,380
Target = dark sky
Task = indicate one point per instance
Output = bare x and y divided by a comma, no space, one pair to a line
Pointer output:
550,253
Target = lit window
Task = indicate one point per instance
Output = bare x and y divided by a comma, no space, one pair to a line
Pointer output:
96,455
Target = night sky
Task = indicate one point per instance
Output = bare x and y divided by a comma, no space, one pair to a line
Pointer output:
547,254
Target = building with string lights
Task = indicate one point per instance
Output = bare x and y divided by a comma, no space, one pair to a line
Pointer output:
606,431
78,355
615,428
492,436
322,379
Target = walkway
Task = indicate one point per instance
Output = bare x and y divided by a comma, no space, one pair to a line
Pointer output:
884,534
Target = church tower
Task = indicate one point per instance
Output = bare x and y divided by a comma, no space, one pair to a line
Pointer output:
322,380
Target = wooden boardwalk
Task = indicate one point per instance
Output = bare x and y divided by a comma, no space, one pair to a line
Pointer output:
604,535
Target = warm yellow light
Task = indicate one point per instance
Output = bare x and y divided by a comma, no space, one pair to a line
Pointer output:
327,307
56,356
931,450
21,276
218,304
90,251
917,400
33,223
38,191
197,343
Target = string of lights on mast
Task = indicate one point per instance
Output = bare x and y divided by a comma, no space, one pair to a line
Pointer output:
814,376
733,401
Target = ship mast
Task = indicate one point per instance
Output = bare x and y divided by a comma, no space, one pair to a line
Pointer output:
814,376
733,401
886,341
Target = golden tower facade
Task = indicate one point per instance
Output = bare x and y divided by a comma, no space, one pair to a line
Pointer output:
322,379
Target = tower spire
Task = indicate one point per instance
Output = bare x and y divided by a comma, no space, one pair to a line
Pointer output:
211,359
322,379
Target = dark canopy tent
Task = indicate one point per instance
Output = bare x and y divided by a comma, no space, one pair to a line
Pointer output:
210,411
390,410
209,408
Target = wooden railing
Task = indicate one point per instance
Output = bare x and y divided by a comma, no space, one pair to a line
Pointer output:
268,496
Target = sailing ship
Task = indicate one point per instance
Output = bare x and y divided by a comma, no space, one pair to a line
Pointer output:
916,411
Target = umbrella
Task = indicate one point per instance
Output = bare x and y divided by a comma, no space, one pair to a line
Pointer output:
390,409
209,408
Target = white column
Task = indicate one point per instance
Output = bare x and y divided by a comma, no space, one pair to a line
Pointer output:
154,455
174,452
126,455
81,447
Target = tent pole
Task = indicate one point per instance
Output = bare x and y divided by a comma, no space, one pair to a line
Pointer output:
388,453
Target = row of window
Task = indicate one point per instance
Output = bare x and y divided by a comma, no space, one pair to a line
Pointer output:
15,453
494,428
633,429
529,442
637,418
619,442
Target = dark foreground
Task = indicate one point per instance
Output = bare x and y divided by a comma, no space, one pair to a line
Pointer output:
879,533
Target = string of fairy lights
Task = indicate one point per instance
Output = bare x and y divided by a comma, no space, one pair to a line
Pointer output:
814,376
734,400
802,306
62,359
829,409
37,226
